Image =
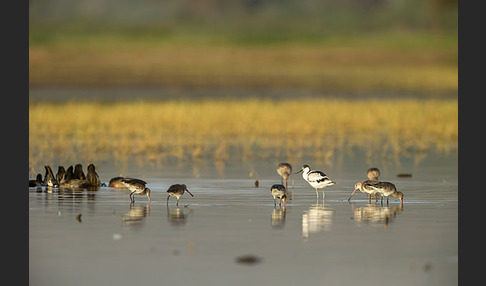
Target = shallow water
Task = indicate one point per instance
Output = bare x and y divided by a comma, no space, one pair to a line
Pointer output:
95,238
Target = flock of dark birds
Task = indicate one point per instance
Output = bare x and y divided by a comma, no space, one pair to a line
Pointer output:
74,178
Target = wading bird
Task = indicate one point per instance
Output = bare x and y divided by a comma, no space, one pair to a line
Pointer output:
136,186
387,189
278,192
284,170
373,174
365,187
317,179
177,191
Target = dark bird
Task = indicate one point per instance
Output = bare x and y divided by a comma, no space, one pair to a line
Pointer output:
284,170
69,174
61,174
49,178
136,186
92,176
37,182
278,192
177,191
373,174
78,172
76,184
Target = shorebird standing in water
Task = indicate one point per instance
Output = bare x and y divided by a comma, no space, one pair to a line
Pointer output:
365,187
177,191
373,174
136,186
387,189
279,192
317,179
284,170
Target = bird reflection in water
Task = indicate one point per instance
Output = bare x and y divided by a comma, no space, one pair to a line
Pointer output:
278,216
318,218
374,214
178,215
135,217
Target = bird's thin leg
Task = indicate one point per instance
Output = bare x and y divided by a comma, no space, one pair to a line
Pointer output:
177,201
168,199
274,201
386,200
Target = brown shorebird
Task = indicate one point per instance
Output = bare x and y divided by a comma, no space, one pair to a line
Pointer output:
177,191
373,174
365,187
116,182
317,179
387,189
278,192
284,170
136,186
92,176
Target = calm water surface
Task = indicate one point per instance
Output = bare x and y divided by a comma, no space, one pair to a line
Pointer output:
96,238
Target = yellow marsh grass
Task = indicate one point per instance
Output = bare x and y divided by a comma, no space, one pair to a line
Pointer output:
316,128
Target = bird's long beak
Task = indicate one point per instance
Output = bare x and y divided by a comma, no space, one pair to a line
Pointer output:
352,194
148,196
189,193
299,171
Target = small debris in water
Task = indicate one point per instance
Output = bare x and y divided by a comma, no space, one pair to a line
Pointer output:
190,247
256,183
427,267
404,175
79,217
248,259
117,236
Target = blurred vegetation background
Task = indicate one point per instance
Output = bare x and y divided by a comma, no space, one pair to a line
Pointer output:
331,45
397,58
